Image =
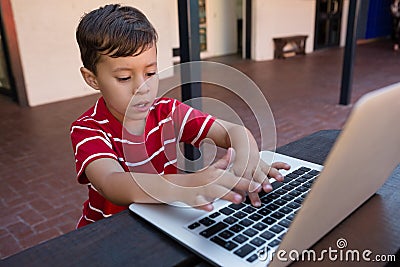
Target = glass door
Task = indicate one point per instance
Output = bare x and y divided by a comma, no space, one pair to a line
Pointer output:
328,23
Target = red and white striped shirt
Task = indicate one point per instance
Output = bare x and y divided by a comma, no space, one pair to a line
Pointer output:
98,134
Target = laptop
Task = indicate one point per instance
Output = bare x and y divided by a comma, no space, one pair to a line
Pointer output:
303,208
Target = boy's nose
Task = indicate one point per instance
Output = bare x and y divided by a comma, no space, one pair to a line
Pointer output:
144,88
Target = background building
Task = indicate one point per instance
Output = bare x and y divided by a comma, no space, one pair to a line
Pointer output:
40,58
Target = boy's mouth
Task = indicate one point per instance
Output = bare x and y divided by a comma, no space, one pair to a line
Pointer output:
142,106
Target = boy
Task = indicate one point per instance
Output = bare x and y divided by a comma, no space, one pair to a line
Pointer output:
127,157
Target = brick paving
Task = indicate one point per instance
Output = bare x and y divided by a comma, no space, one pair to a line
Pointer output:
39,196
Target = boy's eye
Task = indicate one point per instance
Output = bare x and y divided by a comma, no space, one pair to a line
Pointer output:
149,74
123,79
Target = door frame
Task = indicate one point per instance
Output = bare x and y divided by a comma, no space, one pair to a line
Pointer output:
317,26
11,51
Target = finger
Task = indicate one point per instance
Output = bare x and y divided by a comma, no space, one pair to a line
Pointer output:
280,165
255,199
259,176
218,192
274,173
232,182
226,162
233,197
203,204
242,193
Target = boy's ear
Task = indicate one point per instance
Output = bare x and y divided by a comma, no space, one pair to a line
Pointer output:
89,78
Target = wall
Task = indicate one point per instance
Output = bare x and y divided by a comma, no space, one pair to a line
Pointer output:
48,50
221,28
277,18
221,16
50,55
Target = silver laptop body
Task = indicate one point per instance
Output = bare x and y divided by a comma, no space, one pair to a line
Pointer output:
365,154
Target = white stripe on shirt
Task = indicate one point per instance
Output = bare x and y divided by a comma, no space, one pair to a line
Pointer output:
184,123
201,129
90,139
93,156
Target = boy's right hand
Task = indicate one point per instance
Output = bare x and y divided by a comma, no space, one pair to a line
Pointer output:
202,188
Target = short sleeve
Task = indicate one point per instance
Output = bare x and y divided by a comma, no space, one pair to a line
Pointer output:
192,124
89,143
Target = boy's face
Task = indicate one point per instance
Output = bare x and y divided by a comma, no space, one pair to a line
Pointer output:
119,79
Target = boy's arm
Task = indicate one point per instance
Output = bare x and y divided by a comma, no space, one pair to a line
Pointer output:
247,162
197,189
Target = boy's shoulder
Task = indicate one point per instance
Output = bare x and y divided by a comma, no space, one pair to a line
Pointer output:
97,114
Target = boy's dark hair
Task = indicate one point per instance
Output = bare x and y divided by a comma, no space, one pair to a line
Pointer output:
113,30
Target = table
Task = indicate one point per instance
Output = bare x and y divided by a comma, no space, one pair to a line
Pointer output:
126,240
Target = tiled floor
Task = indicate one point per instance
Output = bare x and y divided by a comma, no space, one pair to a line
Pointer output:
40,198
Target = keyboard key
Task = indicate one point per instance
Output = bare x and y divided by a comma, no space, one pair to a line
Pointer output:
213,229
285,223
269,220
258,241
292,175
252,258
280,202
295,193
277,215
294,183
244,250
226,234
240,215
260,226
236,228
302,189
214,215
207,221
227,211
272,206
276,229
299,171
249,209
299,200
301,180
288,187
272,196
294,205
287,179
314,172
255,217
291,217
240,238
274,243
288,197
250,232
264,212
304,169
280,191
237,206
230,220
308,176
267,235
229,245
276,185
246,222
281,236
194,225
285,210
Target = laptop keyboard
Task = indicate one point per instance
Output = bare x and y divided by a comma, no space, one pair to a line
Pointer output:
244,229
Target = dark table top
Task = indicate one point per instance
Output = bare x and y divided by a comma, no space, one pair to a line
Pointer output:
126,240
